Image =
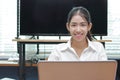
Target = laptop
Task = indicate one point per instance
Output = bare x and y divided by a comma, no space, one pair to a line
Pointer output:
77,70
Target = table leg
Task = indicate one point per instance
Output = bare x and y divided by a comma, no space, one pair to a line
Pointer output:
22,62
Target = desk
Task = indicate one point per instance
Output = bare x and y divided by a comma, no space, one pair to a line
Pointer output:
22,43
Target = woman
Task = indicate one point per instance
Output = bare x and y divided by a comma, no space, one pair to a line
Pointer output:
80,47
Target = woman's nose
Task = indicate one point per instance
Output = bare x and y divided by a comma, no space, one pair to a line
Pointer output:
78,29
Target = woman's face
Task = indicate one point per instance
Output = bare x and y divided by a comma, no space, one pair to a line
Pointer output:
78,28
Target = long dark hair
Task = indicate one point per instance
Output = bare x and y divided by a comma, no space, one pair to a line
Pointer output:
82,12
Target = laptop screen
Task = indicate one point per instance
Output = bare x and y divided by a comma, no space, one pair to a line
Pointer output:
77,70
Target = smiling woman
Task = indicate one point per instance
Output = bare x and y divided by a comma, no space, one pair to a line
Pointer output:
80,46
79,22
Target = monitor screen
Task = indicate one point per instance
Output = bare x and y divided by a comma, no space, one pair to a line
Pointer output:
49,17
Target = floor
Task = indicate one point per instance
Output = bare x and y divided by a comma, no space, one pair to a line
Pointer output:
13,72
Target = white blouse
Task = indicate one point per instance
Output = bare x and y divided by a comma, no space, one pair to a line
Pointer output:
64,52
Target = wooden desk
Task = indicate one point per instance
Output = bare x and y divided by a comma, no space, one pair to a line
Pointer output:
50,41
22,43
15,64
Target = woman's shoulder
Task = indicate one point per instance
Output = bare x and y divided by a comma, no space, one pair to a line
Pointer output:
96,43
60,46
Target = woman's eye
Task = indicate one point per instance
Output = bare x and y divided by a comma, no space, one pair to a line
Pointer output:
73,25
83,24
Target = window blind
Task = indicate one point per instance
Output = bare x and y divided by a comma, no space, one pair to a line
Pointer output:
8,23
